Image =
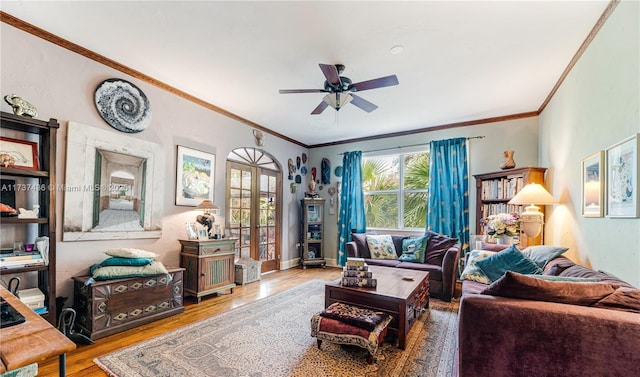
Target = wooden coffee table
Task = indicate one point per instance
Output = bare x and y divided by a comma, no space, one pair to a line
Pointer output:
396,294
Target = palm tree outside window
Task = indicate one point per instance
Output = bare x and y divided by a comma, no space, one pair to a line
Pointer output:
396,189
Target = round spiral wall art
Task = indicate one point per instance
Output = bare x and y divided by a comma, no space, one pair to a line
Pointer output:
123,106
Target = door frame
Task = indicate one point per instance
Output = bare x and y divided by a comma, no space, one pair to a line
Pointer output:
258,161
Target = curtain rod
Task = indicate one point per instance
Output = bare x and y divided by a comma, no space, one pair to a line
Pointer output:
412,145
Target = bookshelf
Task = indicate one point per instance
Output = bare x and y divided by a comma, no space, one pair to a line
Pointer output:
28,187
495,189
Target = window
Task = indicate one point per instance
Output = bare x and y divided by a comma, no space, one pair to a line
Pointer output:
395,190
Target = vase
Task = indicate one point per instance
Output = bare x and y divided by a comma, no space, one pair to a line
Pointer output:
508,162
504,240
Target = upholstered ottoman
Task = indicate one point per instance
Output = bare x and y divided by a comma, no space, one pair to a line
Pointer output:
345,324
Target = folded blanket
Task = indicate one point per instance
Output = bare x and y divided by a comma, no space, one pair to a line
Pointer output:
354,316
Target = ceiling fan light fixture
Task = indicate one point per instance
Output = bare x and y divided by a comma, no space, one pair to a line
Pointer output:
337,100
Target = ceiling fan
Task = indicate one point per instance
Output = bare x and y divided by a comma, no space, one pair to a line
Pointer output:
340,89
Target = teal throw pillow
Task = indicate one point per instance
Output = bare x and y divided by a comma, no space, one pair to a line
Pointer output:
413,249
509,259
542,254
118,261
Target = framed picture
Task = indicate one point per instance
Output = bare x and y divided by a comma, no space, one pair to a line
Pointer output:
203,233
192,232
622,178
593,185
17,153
194,176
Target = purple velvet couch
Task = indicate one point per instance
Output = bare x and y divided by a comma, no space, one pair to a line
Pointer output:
441,260
512,337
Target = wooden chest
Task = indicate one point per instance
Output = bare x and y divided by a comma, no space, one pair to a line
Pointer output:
247,271
108,307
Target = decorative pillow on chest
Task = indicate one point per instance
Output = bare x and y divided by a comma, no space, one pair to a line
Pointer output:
381,247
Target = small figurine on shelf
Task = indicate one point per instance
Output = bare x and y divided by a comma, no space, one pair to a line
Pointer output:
21,106
29,214
312,191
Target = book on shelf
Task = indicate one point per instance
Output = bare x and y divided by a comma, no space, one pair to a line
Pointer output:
21,264
357,274
19,256
359,282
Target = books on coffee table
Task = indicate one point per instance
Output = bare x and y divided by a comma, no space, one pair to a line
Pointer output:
356,274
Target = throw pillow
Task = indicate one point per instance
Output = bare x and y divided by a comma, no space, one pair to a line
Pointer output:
625,299
516,285
120,272
563,278
361,243
509,259
437,247
127,252
472,271
381,247
413,249
542,254
117,261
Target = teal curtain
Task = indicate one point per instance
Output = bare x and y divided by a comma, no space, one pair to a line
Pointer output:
352,215
448,200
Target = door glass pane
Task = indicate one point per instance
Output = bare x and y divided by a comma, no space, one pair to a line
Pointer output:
272,184
264,183
246,180
234,182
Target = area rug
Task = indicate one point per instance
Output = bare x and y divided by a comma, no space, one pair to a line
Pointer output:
271,337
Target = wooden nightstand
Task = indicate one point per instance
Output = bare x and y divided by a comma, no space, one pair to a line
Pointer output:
209,266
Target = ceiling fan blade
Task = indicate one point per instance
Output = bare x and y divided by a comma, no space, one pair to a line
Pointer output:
380,82
320,108
362,103
331,73
291,91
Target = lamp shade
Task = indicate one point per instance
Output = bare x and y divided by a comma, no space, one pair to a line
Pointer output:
532,219
533,193
207,205
337,100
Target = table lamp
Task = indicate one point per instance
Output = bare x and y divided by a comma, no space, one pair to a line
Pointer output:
532,220
207,219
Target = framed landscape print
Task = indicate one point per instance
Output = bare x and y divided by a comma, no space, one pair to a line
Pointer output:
593,185
194,176
622,178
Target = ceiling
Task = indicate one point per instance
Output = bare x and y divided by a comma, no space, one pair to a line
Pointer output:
462,60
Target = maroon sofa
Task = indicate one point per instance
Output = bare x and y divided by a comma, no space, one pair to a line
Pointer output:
441,260
502,336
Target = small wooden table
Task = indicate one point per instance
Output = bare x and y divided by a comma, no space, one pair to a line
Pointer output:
401,298
33,341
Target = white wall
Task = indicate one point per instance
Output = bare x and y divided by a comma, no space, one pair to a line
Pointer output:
596,106
61,85
485,155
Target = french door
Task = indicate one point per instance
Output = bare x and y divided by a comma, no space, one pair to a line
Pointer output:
253,207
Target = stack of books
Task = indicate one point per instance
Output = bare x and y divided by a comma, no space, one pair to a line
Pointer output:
356,274
20,259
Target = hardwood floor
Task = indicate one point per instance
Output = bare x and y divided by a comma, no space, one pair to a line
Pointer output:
80,362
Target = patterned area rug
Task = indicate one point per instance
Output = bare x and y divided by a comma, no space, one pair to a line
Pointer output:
270,337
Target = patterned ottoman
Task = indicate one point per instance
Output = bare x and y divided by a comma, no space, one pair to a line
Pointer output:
345,324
